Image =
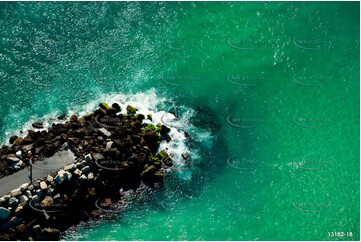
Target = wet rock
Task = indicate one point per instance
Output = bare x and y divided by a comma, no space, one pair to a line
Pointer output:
164,130
27,140
12,139
168,138
104,106
73,118
185,155
150,117
131,109
38,125
116,107
95,214
62,117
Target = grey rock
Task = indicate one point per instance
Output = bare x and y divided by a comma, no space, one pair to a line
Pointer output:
104,132
43,185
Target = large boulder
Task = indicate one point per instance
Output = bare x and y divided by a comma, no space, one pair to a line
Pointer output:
4,213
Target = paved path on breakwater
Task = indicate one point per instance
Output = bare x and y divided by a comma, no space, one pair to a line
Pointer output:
40,169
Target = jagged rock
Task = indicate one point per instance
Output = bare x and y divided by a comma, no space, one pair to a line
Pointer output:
23,200
43,185
16,220
116,107
185,155
50,234
35,198
13,202
88,158
12,161
28,194
16,192
168,138
104,106
90,176
70,167
131,109
21,228
37,232
73,118
13,138
19,154
38,125
4,213
95,214
150,117
85,170
19,209
164,130
62,117
27,140
105,132
109,145
47,202
49,179
77,172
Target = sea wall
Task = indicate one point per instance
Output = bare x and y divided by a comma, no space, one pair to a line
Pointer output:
115,154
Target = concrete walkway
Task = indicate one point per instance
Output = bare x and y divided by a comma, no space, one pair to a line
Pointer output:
40,169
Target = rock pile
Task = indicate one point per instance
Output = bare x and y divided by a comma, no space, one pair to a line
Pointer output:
115,153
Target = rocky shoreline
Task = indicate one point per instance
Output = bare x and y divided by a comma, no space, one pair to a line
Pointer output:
116,154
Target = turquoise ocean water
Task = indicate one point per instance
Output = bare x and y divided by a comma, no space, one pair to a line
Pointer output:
274,87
